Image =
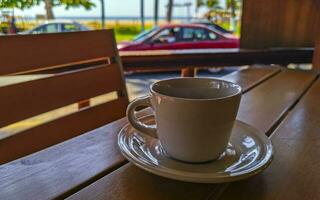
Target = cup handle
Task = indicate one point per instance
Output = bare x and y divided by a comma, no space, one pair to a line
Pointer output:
135,122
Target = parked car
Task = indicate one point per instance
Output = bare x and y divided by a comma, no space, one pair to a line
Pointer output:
56,26
183,36
214,26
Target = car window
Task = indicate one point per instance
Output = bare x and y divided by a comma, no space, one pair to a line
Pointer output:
39,30
69,27
52,28
145,34
212,36
167,35
48,28
194,34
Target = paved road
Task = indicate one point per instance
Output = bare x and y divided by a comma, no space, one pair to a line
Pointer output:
138,84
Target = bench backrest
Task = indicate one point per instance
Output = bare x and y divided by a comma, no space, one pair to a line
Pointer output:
101,77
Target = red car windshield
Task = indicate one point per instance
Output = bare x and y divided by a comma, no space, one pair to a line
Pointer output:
145,34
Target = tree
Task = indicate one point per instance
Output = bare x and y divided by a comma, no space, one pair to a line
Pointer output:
49,4
103,16
156,12
212,5
48,7
142,14
232,5
169,11
199,3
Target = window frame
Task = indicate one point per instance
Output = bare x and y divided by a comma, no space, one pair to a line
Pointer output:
207,32
178,36
62,25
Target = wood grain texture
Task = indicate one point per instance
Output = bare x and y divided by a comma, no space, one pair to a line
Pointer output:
25,53
316,55
62,169
67,167
50,93
21,53
64,128
275,23
316,58
260,107
294,173
132,183
248,78
266,104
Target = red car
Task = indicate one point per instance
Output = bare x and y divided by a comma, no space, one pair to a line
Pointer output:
186,36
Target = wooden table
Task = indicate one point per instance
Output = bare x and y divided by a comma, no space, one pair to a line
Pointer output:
282,104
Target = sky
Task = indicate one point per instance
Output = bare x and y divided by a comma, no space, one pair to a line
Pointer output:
113,8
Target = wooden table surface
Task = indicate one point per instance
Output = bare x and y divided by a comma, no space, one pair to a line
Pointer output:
282,104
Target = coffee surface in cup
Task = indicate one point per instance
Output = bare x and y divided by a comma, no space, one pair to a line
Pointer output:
190,88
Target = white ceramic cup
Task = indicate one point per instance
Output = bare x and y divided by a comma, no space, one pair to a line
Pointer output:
194,116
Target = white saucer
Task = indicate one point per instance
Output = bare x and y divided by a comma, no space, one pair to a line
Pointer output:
248,153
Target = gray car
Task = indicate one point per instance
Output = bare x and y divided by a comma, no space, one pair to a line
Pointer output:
57,26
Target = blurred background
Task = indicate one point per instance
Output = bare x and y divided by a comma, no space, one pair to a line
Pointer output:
127,17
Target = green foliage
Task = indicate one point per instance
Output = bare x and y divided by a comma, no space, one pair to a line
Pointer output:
212,3
22,4
208,3
127,29
236,4
87,4
199,3
125,32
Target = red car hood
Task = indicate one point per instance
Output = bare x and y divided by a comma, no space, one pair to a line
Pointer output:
230,36
122,45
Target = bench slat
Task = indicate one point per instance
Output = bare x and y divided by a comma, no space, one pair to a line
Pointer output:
86,158
50,93
261,107
23,53
59,130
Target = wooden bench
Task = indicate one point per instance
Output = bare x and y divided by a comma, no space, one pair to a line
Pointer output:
22,100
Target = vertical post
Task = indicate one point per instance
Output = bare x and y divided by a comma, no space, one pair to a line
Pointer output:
12,25
188,11
83,104
117,60
188,72
48,7
142,14
233,16
169,10
156,12
103,17
316,54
